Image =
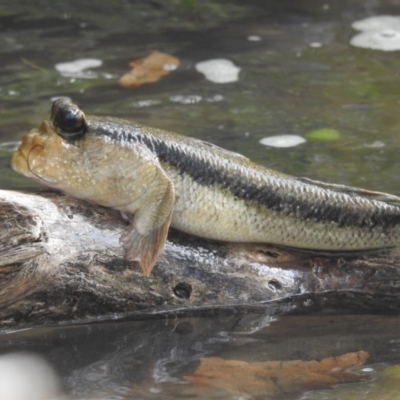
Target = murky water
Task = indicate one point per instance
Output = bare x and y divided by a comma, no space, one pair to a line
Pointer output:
298,74
152,359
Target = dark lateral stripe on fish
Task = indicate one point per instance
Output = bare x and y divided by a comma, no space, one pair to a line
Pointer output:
205,173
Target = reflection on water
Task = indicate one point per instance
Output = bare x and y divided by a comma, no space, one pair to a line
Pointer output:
299,76
151,359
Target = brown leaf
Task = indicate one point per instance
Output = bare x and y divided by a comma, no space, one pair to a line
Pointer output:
149,69
277,379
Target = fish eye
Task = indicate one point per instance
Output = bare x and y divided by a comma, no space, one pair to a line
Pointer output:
68,120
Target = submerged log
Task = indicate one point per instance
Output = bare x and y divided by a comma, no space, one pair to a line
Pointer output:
61,261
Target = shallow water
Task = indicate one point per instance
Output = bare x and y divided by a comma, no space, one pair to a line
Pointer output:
150,359
298,74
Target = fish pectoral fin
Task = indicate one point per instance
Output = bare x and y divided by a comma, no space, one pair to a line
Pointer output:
145,248
370,194
144,238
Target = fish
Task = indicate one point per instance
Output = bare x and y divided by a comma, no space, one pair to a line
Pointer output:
158,179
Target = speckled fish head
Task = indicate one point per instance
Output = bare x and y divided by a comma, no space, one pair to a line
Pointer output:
63,154
46,157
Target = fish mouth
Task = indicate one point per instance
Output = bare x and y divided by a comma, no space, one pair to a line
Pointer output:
19,160
29,158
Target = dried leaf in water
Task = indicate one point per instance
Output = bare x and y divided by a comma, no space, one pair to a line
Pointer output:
384,386
149,69
277,379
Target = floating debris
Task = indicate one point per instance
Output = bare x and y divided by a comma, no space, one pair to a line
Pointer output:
323,134
219,70
378,33
265,379
215,98
377,23
375,145
146,103
254,38
77,68
282,141
190,99
149,69
33,65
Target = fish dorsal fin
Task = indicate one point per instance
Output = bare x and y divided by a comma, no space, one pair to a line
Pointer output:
220,149
351,190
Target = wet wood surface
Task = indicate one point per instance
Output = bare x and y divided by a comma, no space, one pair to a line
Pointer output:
61,261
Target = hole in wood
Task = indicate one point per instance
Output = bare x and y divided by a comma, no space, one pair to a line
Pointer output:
182,290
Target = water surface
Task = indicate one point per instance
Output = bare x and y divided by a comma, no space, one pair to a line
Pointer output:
298,74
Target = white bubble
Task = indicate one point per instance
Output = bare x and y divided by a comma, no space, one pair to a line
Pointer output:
170,67
386,40
108,76
215,98
282,141
77,68
190,99
367,369
377,23
378,33
376,144
254,38
146,103
219,70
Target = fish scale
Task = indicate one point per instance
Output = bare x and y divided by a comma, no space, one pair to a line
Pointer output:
249,220
160,177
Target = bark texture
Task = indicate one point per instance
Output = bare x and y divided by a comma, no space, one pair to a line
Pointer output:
61,261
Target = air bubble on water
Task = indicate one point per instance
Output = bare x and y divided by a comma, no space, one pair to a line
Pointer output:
254,38
219,70
282,141
78,68
381,32
189,99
